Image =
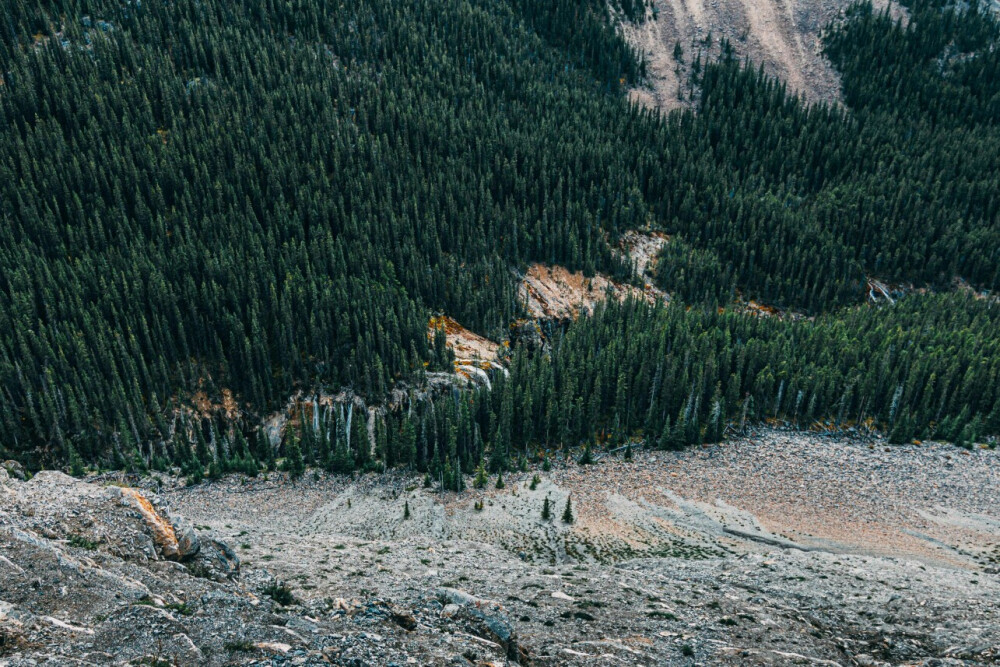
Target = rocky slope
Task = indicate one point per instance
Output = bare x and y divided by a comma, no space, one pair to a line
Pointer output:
774,549
782,35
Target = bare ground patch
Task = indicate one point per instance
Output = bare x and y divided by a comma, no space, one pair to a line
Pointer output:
782,35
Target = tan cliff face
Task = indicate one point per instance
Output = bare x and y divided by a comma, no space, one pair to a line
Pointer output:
556,293
782,35
173,542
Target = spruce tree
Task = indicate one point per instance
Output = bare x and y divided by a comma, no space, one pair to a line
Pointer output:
294,464
546,510
481,477
76,468
567,516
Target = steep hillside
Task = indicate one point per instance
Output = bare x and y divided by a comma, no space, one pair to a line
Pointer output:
782,35
234,203
822,551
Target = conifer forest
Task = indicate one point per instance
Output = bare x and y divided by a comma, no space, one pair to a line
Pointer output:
253,199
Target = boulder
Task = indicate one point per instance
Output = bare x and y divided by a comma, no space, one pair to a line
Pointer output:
188,543
403,618
454,596
527,333
14,469
215,560
495,628
485,618
174,542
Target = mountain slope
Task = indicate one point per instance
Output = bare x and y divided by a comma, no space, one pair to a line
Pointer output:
234,202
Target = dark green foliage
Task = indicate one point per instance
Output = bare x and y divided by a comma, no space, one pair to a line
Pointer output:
76,468
241,646
205,191
268,197
406,510
500,484
797,205
925,367
567,516
546,510
280,593
294,464
481,477
82,542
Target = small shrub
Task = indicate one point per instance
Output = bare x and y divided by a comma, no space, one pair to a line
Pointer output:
241,646
82,542
280,593
182,608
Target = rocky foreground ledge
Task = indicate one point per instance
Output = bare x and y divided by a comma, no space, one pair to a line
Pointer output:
672,560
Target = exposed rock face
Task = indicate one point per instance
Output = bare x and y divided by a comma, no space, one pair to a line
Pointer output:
527,333
783,36
162,531
556,293
82,575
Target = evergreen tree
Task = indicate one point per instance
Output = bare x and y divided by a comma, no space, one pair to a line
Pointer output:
294,464
567,516
481,477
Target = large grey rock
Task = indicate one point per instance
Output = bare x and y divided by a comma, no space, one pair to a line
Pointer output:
217,559
15,469
188,543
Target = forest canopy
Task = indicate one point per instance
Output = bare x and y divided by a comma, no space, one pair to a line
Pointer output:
270,196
